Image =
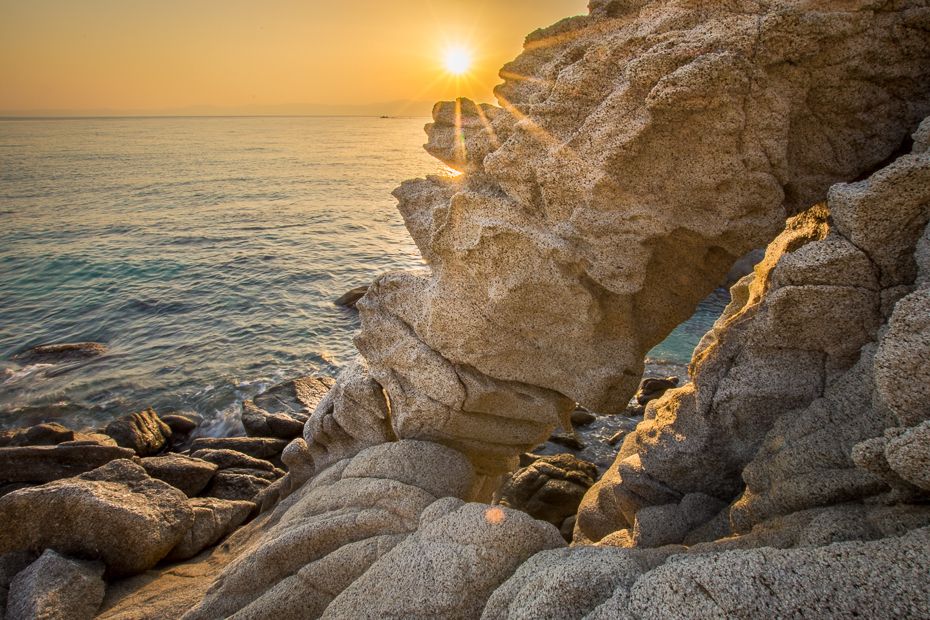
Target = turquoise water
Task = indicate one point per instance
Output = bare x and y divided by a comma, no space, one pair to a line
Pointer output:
203,252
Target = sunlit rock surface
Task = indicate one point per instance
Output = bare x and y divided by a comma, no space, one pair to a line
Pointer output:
639,151
804,390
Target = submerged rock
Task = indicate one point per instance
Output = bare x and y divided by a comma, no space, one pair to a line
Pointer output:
60,353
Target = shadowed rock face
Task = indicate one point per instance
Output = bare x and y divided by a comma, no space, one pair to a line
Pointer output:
639,152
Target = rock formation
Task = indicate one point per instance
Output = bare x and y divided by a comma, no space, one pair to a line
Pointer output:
639,151
805,390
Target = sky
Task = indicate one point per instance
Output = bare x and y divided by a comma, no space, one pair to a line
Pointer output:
152,54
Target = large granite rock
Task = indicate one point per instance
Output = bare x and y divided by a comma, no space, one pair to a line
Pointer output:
115,513
638,153
333,528
48,463
798,370
55,587
455,544
885,579
567,584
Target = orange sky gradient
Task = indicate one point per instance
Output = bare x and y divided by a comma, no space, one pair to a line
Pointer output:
152,54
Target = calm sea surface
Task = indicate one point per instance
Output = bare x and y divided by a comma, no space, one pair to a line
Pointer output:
204,252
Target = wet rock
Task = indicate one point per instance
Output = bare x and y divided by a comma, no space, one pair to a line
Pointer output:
550,489
182,423
235,487
350,298
256,447
46,463
228,459
188,474
654,387
142,432
213,519
296,396
60,353
56,587
259,423
116,513
569,440
581,416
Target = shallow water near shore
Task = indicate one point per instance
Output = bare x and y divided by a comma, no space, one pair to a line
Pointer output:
205,253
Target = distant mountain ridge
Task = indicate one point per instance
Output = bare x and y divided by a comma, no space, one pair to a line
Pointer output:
400,107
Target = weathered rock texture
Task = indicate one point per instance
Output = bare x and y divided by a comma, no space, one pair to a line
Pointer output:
333,529
639,152
804,389
55,587
115,513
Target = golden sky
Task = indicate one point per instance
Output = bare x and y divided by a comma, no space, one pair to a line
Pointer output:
151,54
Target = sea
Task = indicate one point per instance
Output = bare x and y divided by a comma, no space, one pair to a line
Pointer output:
205,253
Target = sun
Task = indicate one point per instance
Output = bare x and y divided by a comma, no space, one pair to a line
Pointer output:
457,61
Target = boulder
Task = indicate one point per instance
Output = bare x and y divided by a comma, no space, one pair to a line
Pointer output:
456,543
550,489
238,487
56,587
47,463
256,447
228,459
115,513
884,579
638,152
188,474
259,423
60,353
213,519
142,432
581,416
567,584
40,435
182,423
331,530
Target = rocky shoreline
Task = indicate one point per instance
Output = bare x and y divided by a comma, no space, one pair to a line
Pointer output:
639,151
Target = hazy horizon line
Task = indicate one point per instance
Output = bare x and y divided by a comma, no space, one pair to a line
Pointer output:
398,107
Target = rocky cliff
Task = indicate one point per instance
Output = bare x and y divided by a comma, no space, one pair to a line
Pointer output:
637,152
